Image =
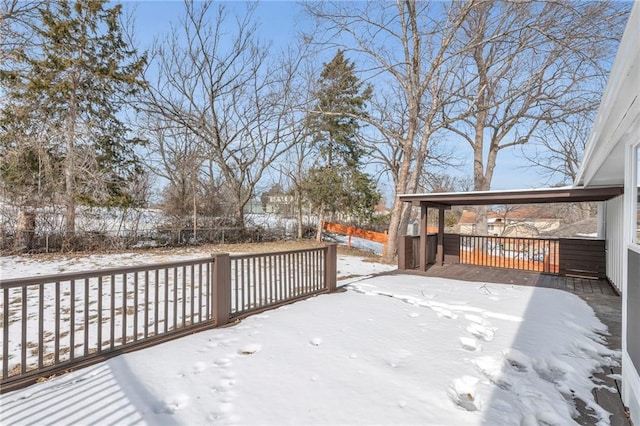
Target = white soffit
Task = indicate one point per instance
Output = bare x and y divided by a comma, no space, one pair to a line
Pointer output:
618,118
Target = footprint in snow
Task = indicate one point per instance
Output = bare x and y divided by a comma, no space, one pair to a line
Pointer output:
171,405
198,367
442,312
517,360
492,369
250,349
476,319
481,332
222,362
470,344
398,357
221,412
463,393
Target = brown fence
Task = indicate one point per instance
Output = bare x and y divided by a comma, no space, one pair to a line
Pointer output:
57,322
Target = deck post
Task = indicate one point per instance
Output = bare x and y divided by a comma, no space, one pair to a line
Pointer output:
423,237
331,268
221,278
440,251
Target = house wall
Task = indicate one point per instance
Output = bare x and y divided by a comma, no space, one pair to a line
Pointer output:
631,348
631,268
614,233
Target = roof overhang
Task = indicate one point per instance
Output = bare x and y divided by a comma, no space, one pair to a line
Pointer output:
522,196
618,119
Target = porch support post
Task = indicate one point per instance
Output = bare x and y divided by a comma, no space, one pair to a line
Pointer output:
440,259
423,237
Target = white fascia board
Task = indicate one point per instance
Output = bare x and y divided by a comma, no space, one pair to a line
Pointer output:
620,104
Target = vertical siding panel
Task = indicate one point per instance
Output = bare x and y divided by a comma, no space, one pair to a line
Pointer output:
615,240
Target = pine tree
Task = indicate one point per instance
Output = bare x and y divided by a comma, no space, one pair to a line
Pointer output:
67,92
337,185
335,121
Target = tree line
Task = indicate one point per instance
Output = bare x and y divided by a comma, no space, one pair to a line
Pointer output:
372,92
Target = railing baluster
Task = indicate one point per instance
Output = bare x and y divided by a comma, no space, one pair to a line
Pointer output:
281,277
236,286
146,304
200,283
113,312
247,284
156,302
124,308
175,298
56,332
23,346
72,319
193,284
5,333
166,299
135,306
86,316
288,268
209,290
41,325
272,291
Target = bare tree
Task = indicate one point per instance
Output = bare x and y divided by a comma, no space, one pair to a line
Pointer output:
558,148
216,83
407,46
18,20
528,64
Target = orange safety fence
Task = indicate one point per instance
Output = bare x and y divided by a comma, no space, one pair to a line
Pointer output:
352,231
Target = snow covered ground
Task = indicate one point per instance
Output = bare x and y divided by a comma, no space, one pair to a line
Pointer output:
390,350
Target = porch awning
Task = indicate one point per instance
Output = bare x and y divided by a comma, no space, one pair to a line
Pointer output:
566,194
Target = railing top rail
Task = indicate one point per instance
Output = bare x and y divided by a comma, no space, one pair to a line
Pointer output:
35,280
511,238
276,253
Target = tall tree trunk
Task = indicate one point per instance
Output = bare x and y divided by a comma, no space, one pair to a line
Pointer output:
69,170
298,197
319,225
395,229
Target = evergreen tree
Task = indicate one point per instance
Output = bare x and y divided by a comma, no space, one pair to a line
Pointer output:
337,185
65,93
341,99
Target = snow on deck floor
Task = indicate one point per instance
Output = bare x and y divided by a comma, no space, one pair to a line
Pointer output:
390,350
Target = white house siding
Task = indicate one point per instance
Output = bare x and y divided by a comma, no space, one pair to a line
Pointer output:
615,240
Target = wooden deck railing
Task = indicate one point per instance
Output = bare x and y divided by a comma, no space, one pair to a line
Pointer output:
560,256
261,281
56,322
529,254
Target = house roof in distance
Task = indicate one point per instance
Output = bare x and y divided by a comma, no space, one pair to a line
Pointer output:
565,194
518,214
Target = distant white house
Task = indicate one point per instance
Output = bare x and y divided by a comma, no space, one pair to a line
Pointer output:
612,157
528,221
281,204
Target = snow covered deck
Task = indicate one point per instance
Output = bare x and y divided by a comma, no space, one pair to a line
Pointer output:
598,293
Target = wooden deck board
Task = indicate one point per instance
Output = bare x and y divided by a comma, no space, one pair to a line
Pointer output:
578,285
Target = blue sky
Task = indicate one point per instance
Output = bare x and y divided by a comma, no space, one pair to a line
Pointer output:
279,22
